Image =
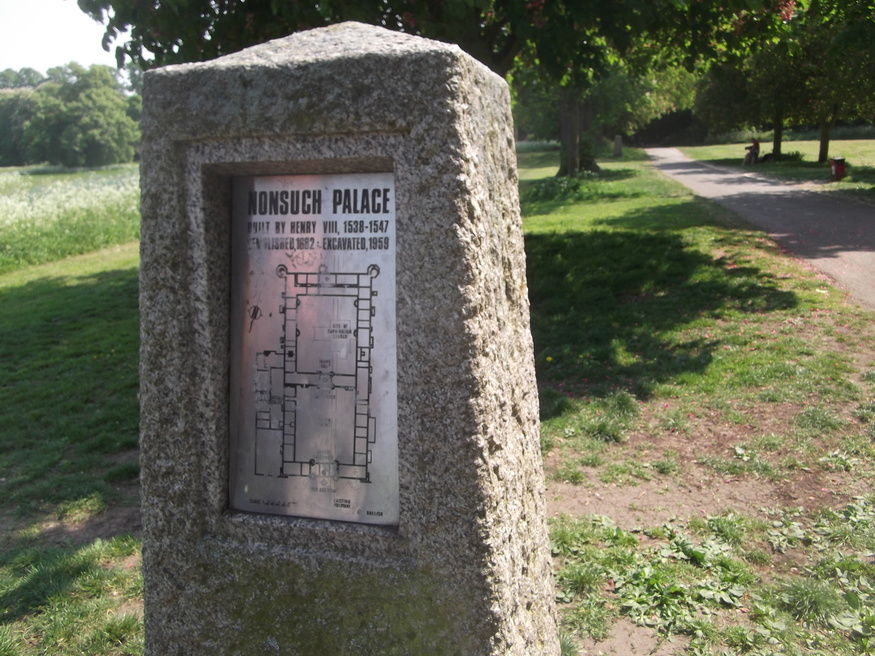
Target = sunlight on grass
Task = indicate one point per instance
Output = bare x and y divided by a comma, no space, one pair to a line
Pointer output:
627,293
859,152
538,164
62,601
661,326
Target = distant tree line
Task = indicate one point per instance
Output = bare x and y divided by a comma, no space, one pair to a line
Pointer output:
72,116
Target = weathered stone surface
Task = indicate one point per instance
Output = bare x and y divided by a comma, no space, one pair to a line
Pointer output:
467,570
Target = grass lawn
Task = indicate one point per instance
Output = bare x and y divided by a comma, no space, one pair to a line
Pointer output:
708,417
707,407
69,559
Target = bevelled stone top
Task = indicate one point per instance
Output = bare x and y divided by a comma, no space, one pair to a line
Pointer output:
343,78
340,41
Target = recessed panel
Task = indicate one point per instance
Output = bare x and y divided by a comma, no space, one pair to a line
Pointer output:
313,339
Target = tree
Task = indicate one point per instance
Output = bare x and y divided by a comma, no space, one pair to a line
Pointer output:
135,78
582,44
16,109
838,39
566,34
817,69
20,79
778,84
768,87
80,118
176,31
623,100
619,102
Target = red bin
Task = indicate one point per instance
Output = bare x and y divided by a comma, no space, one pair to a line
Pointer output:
837,167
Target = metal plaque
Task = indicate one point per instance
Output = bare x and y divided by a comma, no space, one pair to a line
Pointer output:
313,347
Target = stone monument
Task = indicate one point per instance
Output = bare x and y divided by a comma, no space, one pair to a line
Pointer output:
339,421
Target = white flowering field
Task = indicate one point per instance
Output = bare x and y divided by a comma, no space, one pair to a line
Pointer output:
45,216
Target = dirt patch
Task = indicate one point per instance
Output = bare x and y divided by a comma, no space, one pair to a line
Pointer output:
650,503
130,607
627,639
697,487
108,524
123,457
9,527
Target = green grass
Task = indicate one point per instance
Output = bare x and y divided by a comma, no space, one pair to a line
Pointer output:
68,450
69,381
68,600
713,581
659,294
658,318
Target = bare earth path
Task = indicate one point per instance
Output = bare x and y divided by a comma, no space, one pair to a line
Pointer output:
834,235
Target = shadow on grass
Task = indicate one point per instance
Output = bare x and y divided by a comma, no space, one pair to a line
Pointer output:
608,308
63,583
68,389
629,155
69,417
50,572
538,159
664,218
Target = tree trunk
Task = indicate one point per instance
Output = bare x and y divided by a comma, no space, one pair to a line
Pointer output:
825,130
569,133
586,139
778,136
826,125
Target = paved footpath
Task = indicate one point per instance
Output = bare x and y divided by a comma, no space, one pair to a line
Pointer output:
834,235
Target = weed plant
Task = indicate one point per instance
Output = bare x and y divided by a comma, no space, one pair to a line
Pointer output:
701,579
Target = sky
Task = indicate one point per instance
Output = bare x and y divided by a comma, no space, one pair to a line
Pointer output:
41,34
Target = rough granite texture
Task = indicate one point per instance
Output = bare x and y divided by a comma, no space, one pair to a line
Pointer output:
467,572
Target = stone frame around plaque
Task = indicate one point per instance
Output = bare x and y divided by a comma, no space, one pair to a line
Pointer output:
211,169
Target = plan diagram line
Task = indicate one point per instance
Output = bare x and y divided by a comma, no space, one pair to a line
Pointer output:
322,365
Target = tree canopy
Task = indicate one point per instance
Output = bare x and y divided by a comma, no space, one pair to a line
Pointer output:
565,34
767,47
816,69
571,42
16,108
20,79
74,117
